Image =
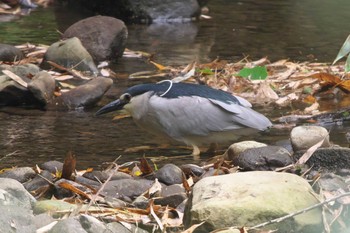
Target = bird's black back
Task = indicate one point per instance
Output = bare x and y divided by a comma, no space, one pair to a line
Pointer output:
182,89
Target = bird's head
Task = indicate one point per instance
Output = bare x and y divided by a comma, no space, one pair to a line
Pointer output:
132,92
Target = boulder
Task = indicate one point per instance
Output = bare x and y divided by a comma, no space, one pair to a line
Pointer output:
103,37
250,198
13,193
9,53
16,220
70,54
265,158
304,137
85,95
43,86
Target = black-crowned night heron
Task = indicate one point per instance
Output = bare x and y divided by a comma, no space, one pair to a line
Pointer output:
189,113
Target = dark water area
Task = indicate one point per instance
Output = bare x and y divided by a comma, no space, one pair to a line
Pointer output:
298,30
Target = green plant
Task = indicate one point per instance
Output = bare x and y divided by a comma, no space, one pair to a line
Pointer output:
255,73
343,52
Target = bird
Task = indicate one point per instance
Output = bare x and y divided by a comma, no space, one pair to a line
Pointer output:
190,113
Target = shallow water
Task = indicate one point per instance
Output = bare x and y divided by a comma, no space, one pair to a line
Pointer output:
299,30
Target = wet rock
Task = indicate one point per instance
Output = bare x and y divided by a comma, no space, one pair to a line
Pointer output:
235,149
41,220
13,193
87,182
11,92
103,37
21,174
126,189
304,137
61,192
39,181
118,227
172,200
85,95
56,207
263,158
52,166
9,53
169,174
102,176
25,71
192,169
43,87
69,225
172,189
70,53
332,183
91,224
141,202
16,220
115,203
332,159
212,172
250,198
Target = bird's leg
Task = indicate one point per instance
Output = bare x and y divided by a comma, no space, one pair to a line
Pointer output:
196,152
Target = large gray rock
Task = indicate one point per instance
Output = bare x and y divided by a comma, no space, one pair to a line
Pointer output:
69,53
16,219
9,53
304,137
13,193
103,37
251,198
84,95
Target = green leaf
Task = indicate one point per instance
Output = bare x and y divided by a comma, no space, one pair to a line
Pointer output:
255,73
347,64
345,50
205,71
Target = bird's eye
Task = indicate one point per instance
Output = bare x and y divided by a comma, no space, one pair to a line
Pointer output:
126,97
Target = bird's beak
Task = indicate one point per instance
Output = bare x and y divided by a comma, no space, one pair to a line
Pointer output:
112,106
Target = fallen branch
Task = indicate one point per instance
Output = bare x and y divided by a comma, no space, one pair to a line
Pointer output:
70,71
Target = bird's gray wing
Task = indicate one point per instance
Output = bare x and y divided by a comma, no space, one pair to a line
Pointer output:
192,115
244,115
